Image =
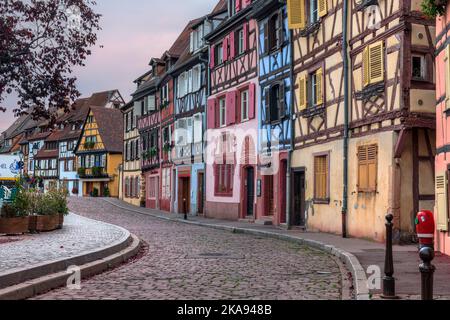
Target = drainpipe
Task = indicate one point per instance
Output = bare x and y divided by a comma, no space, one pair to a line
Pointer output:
292,135
345,56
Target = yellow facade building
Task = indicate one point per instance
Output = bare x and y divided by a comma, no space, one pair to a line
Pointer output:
364,115
99,152
132,183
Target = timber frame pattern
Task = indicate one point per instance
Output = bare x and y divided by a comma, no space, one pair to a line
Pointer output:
398,103
317,125
239,70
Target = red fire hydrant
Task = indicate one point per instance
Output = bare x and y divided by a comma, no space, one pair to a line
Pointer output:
425,227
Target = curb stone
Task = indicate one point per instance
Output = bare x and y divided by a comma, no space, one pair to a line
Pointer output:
43,284
360,282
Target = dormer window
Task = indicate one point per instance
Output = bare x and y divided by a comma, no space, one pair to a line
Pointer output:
232,7
165,94
197,38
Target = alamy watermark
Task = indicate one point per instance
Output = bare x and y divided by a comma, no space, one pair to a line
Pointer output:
74,280
372,14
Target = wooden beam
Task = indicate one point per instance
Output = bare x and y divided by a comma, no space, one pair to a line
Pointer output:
400,145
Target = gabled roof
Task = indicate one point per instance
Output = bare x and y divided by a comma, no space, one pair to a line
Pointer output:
47,154
110,127
221,6
39,136
63,135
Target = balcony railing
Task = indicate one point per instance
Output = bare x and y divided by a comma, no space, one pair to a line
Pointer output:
94,172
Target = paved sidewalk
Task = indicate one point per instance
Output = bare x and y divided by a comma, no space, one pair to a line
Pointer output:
81,240
368,253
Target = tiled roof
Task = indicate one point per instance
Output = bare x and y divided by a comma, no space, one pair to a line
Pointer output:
110,124
220,6
182,41
39,136
64,135
47,154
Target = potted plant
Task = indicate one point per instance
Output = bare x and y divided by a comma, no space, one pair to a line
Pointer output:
59,200
434,8
167,147
13,221
106,192
81,171
89,144
95,193
152,152
46,212
96,171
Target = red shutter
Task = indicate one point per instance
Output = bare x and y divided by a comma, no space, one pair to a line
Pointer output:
231,107
211,113
246,36
212,57
225,48
247,2
232,46
238,5
252,101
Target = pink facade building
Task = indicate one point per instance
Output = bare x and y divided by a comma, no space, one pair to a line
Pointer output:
232,119
443,131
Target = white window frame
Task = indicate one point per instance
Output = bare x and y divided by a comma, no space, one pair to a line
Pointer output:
240,36
222,113
245,107
423,66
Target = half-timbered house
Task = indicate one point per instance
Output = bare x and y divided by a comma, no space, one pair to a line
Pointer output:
99,152
157,126
232,116
130,175
275,110
149,133
364,128
191,85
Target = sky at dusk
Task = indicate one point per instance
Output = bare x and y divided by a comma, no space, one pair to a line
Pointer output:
133,32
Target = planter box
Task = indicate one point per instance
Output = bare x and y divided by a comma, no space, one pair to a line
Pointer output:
61,221
47,223
11,226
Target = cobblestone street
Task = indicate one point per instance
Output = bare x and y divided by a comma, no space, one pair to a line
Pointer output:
191,262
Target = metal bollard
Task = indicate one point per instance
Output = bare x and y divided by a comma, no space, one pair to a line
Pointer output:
185,209
388,279
427,272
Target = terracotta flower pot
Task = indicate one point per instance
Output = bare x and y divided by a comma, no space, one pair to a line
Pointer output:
11,226
47,223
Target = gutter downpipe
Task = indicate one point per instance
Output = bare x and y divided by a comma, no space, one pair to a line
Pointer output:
345,56
292,134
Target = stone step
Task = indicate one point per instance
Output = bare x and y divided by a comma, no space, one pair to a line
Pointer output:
264,221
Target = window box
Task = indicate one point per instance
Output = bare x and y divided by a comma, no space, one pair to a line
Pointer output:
370,91
89,145
97,171
310,29
81,171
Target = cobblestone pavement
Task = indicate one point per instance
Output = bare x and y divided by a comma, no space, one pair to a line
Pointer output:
79,236
191,262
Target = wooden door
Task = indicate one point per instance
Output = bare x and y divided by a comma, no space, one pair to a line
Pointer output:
250,191
298,214
201,193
